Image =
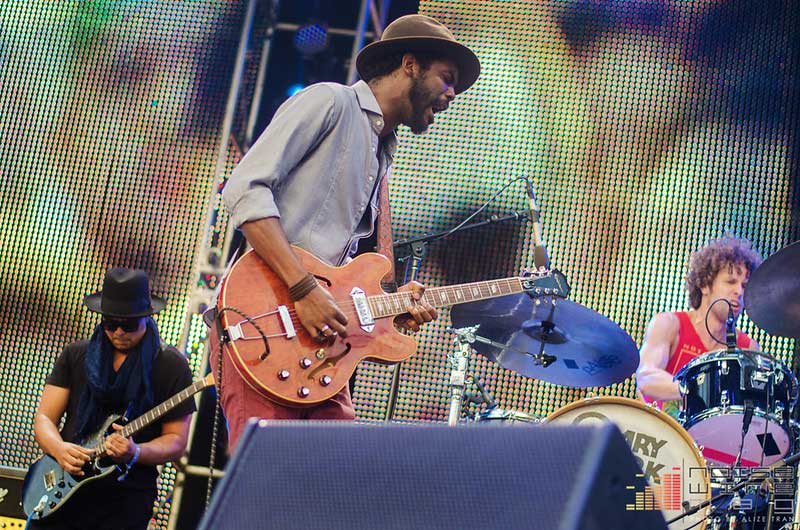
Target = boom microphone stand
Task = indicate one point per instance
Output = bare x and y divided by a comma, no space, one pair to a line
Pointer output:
418,251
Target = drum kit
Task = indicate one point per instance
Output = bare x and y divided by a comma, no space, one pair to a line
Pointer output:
728,450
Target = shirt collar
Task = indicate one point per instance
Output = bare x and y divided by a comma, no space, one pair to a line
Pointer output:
368,103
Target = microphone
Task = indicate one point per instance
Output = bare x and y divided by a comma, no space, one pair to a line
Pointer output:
730,330
540,257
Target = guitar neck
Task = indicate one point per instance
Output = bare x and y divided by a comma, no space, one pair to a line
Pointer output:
387,305
153,414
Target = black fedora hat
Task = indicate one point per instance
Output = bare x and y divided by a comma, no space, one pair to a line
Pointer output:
125,294
412,33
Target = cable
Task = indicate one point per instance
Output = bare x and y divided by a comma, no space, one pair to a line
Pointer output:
249,319
706,319
483,207
218,382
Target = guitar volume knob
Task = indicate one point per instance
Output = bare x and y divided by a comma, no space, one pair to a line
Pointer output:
303,392
325,380
305,362
283,375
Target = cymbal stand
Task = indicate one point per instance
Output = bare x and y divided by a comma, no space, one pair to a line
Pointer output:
479,398
459,362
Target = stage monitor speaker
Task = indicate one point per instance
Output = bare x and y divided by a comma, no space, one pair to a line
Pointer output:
11,480
348,476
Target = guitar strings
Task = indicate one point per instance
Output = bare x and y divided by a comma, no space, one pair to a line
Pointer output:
347,306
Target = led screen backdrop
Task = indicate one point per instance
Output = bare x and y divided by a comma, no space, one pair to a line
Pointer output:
647,128
110,124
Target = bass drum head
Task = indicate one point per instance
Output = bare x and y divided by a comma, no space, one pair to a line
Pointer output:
673,466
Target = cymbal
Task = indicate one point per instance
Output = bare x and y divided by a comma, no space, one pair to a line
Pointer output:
772,295
555,340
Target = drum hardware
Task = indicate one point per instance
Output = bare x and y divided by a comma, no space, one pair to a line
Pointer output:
497,414
717,388
746,420
757,477
770,495
459,362
479,398
796,506
539,359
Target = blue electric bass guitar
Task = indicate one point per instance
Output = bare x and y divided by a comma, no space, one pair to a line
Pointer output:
47,486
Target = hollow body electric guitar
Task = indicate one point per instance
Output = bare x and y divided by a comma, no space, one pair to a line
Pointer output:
274,354
48,487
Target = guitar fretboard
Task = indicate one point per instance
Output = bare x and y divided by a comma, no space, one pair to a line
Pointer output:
397,303
153,414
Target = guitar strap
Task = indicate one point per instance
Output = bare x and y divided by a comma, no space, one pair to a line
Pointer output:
384,233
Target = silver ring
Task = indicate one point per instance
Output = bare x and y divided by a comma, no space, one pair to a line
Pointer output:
324,328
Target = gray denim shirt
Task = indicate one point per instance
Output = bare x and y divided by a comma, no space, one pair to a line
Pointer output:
316,167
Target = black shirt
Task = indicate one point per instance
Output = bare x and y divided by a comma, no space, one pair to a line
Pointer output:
170,375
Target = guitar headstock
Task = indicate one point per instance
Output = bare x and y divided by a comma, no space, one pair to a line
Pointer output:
545,283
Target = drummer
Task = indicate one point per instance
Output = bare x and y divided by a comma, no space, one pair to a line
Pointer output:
718,271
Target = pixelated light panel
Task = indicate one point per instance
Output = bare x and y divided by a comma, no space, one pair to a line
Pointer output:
111,116
646,128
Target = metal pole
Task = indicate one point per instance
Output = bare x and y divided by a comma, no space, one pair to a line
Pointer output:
358,41
205,258
255,104
417,255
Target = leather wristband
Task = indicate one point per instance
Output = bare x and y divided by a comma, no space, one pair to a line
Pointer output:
299,290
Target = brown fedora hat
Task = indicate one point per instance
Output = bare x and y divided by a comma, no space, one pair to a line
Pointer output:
125,294
422,33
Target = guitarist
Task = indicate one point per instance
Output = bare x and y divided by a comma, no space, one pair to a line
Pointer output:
318,178
123,367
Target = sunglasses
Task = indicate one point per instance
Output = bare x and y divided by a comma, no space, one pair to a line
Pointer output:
127,324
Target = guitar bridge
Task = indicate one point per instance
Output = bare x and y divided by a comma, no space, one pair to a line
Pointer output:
363,311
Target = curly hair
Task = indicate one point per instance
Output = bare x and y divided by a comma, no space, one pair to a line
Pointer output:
705,264
384,66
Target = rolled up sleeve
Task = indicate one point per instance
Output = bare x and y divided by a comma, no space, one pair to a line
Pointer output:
297,127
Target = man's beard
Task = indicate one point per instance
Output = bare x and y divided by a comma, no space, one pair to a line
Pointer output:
420,101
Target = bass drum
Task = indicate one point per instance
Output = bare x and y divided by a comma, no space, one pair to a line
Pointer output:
672,463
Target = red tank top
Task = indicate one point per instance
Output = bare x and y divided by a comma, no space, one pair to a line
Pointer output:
689,347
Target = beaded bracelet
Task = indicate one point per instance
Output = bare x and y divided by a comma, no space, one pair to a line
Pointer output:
130,464
299,290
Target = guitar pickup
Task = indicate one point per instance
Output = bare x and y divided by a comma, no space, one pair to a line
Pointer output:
363,311
50,480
